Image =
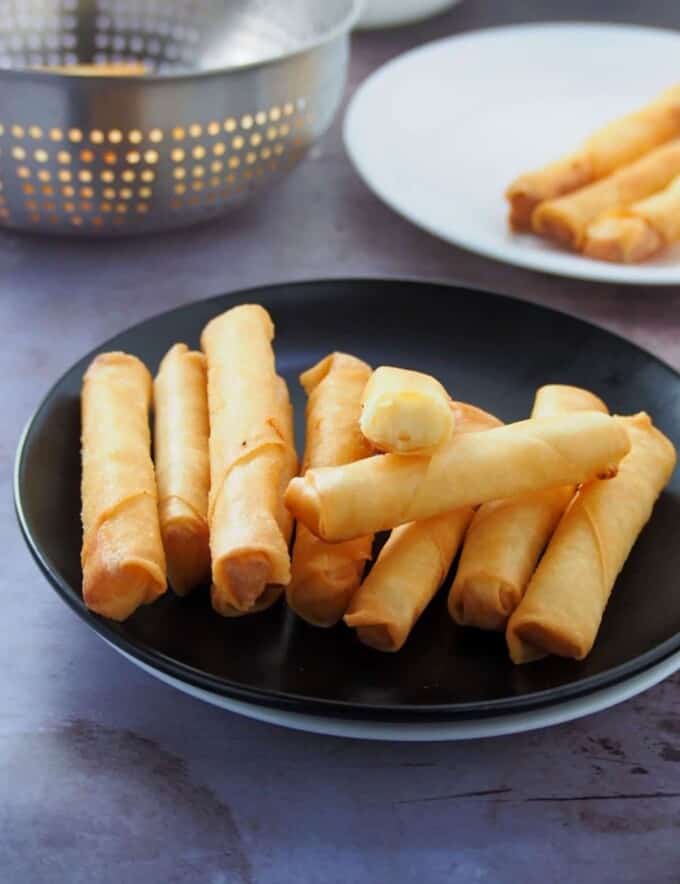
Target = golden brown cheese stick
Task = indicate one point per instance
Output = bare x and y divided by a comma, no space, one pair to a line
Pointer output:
340,503
566,598
412,565
638,232
122,553
405,578
405,412
272,594
506,537
565,219
182,468
553,180
622,237
324,576
250,451
618,143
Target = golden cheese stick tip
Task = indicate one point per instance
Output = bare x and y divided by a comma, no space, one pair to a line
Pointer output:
381,492
324,576
182,466
405,412
611,147
556,399
553,180
506,537
564,603
122,552
621,238
250,453
267,599
565,220
639,232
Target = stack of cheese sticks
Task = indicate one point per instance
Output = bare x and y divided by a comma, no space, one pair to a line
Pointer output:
545,510
617,197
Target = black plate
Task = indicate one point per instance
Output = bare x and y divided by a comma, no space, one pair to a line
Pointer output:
490,350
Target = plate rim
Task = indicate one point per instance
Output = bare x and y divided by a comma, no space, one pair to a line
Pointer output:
552,263
470,710
429,731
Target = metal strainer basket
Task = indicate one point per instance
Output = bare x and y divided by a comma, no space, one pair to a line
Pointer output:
234,92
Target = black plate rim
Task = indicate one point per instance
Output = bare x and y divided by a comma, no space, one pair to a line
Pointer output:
465,711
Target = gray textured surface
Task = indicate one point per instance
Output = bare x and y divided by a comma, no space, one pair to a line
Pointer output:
107,775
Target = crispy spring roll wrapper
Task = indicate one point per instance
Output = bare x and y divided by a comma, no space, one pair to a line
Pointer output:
272,594
408,572
334,387
266,600
566,598
506,537
182,467
553,180
622,237
555,399
412,564
122,553
405,412
615,145
250,455
638,232
565,219
324,576
381,492
290,461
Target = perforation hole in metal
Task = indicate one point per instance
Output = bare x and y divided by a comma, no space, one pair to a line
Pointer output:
38,33
164,35
217,163
92,179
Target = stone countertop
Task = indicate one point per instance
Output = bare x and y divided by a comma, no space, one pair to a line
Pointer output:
108,775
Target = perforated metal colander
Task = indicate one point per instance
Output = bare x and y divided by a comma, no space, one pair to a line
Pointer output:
234,92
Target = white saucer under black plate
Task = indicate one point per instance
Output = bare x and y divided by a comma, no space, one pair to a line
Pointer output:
421,731
441,131
447,682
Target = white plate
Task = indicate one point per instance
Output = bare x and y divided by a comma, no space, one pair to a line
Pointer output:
429,731
440,132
